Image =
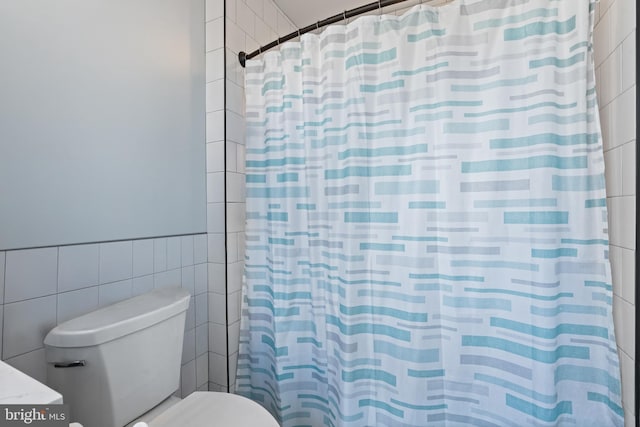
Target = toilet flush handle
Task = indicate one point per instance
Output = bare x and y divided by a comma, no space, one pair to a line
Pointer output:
72,364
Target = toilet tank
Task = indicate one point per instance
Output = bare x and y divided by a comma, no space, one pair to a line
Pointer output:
114,364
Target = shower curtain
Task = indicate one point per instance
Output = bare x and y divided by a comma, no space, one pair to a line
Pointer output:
426,223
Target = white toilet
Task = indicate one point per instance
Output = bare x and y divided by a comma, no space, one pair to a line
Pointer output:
121,364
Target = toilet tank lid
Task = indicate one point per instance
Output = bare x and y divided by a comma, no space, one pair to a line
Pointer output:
120,319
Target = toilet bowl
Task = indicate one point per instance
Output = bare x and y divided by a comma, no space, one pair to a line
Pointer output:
120,364
205,408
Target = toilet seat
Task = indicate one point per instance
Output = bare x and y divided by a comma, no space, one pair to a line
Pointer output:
205,408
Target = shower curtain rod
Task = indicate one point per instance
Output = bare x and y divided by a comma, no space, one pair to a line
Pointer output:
243,56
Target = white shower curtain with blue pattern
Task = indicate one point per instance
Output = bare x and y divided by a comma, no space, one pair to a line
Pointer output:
426,223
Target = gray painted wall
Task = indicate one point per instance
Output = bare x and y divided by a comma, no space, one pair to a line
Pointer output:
102,120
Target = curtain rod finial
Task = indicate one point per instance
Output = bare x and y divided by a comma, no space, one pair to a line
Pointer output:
242,57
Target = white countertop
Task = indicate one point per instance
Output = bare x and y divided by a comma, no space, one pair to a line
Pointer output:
20,389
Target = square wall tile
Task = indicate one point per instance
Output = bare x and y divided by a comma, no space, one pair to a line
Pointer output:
234,337
232,156
76,303
623,116
624,320
245,18
217,309
235,217
214,96
627,369
230,9
629,62
189,346
235,98
214,34
215,188
215,126
78,267
233,306
202,370
233,368
217,278
232,248
142,285
270,15
187,281
200,278
235,272
111,293
26,323
142,257
216,248
222,388
236,38
215,157
215,65
214,9
188,378
116,261
235,127
187,250
168,279
174,253
629,169
215,217
159,255
217,338
190,320
202,339
628,275
236,187
202,313
200,249
218,369
30,273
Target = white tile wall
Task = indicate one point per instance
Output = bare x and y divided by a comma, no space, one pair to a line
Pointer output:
142,257
30,273
614,44
159,255
188,278
247,23
47,286
113,292
78,267
174,253
76,303
116,261
26,323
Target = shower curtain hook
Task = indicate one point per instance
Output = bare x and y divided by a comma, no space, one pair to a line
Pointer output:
380,7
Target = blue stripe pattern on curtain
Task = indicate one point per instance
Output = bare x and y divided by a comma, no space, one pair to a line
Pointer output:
426,223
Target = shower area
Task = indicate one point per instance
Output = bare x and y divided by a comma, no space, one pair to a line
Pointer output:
402,205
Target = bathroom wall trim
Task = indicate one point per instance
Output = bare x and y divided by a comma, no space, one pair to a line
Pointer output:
105,241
